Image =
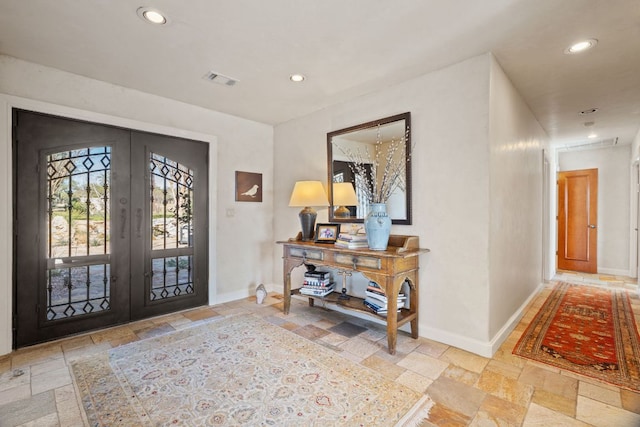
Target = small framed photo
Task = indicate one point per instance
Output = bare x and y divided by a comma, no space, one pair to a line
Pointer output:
327,233
248,187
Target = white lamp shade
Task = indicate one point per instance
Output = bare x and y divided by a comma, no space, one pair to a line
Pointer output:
308,193
344,194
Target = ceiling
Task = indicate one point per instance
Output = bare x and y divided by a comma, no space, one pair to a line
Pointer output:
345,49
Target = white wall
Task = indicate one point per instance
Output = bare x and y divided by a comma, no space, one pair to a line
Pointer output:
635,147
483,226
450,164
516,179
634,213
613,166
455,204
240,245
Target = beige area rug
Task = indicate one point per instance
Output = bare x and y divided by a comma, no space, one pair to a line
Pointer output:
239,370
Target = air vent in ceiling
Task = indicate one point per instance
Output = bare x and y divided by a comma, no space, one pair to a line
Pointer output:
221,79
603,143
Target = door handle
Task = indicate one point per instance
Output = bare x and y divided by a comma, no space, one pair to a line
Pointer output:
138,222
123,222
591,226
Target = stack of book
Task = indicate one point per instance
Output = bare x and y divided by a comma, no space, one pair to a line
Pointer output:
376,299
351,241
317,283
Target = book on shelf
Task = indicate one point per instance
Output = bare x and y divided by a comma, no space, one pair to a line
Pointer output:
383,298
375,307
317,292
372,302
379,292
374,285
352,241
318,274
312,281
345,245
352,237
375,291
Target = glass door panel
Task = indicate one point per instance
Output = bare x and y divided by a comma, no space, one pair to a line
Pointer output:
78,232
171,193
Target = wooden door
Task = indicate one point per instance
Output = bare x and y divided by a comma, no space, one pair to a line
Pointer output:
110,225
578,220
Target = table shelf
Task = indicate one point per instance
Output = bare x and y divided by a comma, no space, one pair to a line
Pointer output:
354,304
390,269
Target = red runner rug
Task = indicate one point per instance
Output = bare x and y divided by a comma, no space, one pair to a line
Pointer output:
587,330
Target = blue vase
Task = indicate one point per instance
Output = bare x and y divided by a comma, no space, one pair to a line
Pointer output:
378,227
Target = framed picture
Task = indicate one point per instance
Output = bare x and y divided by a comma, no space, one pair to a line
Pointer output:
327,233
248,187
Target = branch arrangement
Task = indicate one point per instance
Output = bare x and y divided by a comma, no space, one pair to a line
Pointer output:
393,176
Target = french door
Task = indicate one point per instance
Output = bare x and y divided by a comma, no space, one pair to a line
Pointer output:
110,225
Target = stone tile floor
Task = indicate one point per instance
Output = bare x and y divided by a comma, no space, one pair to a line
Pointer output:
36,387
597,279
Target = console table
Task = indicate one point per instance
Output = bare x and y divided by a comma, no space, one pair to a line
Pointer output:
390,269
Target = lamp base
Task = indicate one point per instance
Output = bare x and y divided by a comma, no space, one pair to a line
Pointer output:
342,212
307,222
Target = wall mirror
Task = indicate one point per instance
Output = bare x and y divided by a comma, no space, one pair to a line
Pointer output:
368,141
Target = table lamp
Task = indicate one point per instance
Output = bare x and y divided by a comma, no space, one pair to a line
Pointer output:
343,195
308,194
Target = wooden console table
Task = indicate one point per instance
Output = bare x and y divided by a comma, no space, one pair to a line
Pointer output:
390,269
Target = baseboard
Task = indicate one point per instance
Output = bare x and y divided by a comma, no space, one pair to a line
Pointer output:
465,343
231,296
513,321
481,348
242,293
614,272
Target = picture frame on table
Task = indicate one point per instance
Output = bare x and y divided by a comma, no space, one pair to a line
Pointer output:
327,233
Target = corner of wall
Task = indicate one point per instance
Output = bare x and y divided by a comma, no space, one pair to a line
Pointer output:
6,228
516,142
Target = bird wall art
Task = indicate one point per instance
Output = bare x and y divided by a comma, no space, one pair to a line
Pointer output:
248,187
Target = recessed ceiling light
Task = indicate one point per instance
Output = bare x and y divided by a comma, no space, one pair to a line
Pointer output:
297,78
581,46
588,111
153,16
592,135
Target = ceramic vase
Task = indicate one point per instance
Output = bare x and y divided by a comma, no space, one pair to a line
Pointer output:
378,226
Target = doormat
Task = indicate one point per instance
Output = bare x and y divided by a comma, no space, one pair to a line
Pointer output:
240,370
587,330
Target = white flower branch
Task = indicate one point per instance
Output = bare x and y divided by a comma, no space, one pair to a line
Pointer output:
393,177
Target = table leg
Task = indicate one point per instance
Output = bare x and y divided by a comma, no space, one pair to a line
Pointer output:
391,290
413,303
287,287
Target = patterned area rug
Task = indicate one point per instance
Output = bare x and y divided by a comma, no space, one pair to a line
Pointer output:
587,330
238,370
